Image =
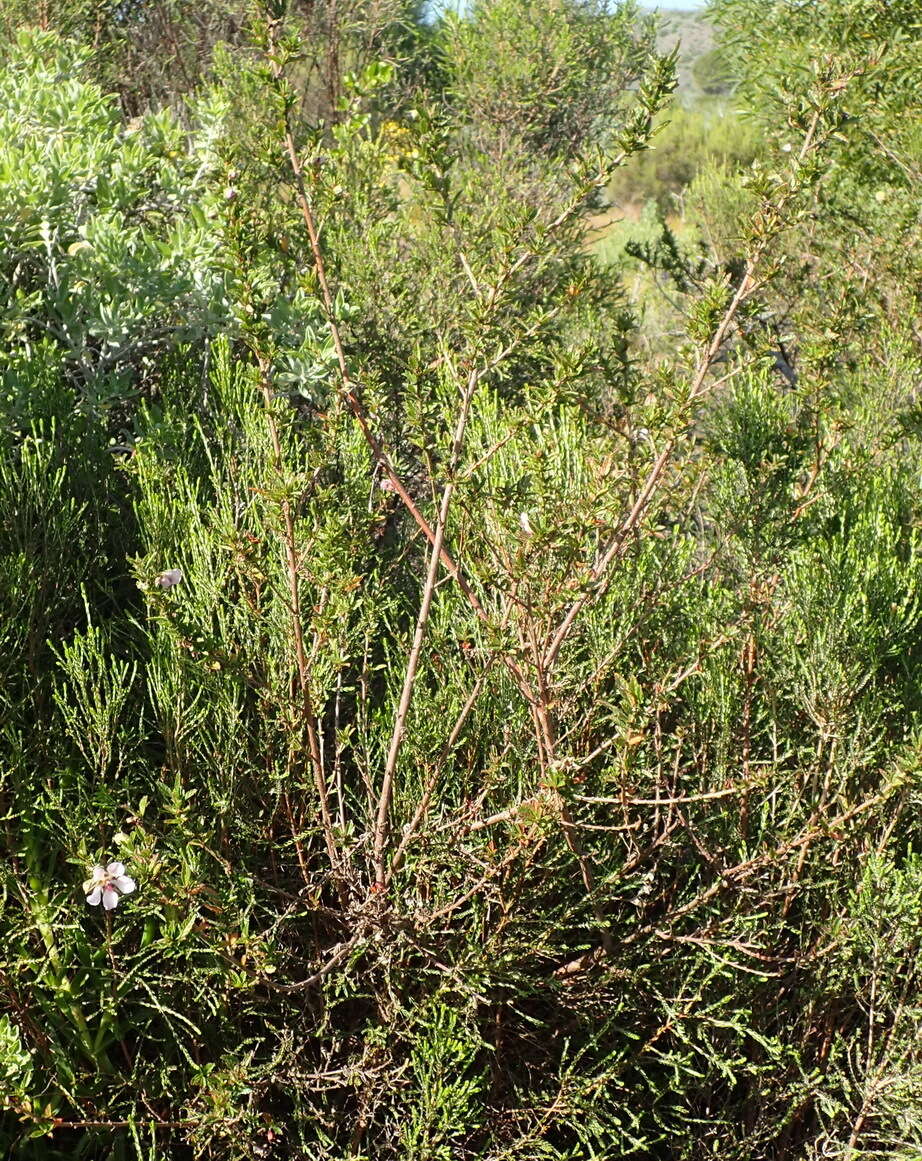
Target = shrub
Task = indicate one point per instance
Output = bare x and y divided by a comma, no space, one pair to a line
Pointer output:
688,140
514,738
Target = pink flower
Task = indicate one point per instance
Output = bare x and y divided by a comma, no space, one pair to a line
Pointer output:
166,580
105,885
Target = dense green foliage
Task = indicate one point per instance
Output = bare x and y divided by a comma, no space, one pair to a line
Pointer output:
528,761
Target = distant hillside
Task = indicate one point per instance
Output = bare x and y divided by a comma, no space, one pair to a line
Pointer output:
695,36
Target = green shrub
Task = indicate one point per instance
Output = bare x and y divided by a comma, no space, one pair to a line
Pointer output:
713,73
509,717
689,139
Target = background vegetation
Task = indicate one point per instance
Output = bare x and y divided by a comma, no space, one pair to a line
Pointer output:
527,762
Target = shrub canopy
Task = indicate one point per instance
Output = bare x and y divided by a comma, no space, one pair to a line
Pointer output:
505,700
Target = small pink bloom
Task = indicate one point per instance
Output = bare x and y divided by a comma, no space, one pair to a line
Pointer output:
166,580
106,885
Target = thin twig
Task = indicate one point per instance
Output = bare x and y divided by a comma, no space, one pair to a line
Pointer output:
308,715
419,635
421,810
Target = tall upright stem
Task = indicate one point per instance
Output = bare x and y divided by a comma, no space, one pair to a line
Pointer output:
419,636
292,570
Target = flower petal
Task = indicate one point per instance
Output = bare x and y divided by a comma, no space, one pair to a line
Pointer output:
94,897
125,884
98,873
115,869
109,897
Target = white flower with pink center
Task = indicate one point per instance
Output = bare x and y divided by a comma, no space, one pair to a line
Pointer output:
169,579
107,884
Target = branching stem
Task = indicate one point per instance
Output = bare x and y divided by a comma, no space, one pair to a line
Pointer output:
292,568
